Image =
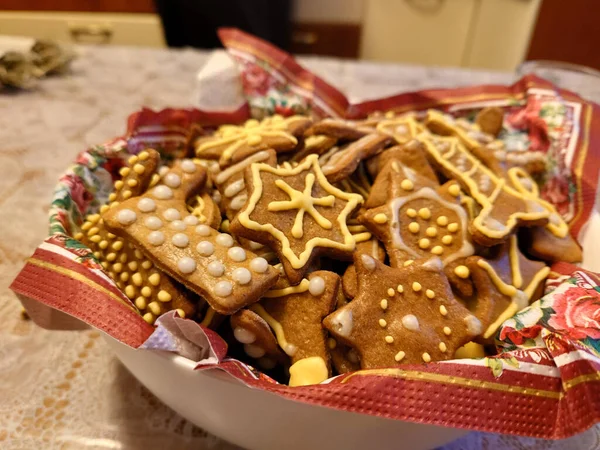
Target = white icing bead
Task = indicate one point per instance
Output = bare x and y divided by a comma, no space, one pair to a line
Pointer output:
205,248
180,240
241,275
162,192
146,205
259,265
234,188
188,166
223,288
172,180
368,261
225,240
316,286
190,220
171,214
238,254
156,237
177,225
216,268
238,202
126,217
410,322
163,170
254,351
243,335
153,222
203,230
186,265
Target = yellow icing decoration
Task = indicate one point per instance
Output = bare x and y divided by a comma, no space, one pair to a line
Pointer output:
382,323
413,227
389,339
504,288
442,221
399,356
437,250
447,240
470,350
304,202
442,347
302,287
310,162
400,288
424,243
383,304
311,370
407,185
447,331
454,190
416,286
426,357
443,310
208,317
410,212
462,271
431,231
288,348
429,293
424,213
380,218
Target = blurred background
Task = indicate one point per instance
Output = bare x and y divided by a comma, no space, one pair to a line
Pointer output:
490,34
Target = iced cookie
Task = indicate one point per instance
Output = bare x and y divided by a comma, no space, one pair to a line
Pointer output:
231,143
504,284
373,248
298,213
316,144
503,208
204,260
344,130
152,292
230,182
403,315
204,207
490,120
295,313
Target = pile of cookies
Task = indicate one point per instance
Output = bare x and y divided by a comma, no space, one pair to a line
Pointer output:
321,247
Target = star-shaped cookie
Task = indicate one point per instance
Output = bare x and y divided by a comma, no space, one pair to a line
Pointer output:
402,315
298,213
423,223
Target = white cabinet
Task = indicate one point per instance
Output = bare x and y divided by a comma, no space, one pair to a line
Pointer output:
492,34
89,28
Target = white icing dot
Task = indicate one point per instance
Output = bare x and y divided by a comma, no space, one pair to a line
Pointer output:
163,170
156,238
243,335
186,265
172,180
316,286
223,289
259,265
254,351
234,188
180,240
238,201
241,275
410,322
162,192
146,205
153,222
215,268
343,323
171,214
205,248
177,225
225,240
203,230
368,261
238,254
126,217
190,220
188,166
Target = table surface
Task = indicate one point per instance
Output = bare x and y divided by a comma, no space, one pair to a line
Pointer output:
65,389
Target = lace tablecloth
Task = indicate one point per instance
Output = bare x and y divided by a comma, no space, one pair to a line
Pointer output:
64,390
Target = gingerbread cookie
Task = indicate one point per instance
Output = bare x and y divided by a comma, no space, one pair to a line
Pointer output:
230,182
403,129
490,120
201,258
204,207
231,144
467,133
345,161
505,284
259,342
402,315
543,244
295,314
315,144
424,223
373,248
344,130
297,213
152,292
343,358
503,208
411,155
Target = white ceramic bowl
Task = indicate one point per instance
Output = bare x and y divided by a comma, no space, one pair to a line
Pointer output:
260,420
